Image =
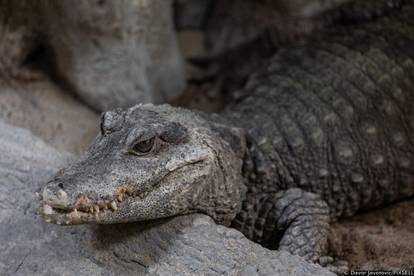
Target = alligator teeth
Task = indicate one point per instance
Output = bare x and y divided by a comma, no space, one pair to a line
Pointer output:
58,223
114,206
101,204
91,209
62,194
38,196
47,210
48,220
67,222
96,208
75,213
120,198
143,194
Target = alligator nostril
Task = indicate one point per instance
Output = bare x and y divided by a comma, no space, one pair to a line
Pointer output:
60,185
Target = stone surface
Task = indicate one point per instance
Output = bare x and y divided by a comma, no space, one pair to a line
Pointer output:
232,23
306,8
49,113
188,245
110,53
119,53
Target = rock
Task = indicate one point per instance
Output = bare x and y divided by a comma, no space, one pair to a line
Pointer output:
110,53
183,245
25,162
308,8
49,113
191,14
119,53
230,24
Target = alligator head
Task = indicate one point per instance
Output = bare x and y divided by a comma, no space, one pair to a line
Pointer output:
148,162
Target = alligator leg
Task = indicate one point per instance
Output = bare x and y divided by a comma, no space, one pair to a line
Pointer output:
292,220
304,217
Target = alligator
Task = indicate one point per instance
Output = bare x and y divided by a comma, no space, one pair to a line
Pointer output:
323,131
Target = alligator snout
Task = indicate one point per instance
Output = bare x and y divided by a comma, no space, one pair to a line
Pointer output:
55,196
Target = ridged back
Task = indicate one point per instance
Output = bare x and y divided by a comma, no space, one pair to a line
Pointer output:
336,116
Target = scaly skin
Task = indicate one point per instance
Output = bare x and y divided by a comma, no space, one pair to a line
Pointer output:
325,130
333,118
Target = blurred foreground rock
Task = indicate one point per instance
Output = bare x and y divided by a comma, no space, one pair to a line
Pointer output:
183,245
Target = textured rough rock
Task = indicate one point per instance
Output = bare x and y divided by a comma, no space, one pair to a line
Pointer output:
182,245
110,53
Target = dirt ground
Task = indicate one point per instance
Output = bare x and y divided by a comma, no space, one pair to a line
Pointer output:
382,239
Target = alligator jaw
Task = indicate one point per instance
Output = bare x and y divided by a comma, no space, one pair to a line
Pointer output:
87,211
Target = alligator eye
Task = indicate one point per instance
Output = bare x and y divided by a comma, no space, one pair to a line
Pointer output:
144,147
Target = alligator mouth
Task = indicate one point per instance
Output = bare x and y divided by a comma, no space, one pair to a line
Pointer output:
86,210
